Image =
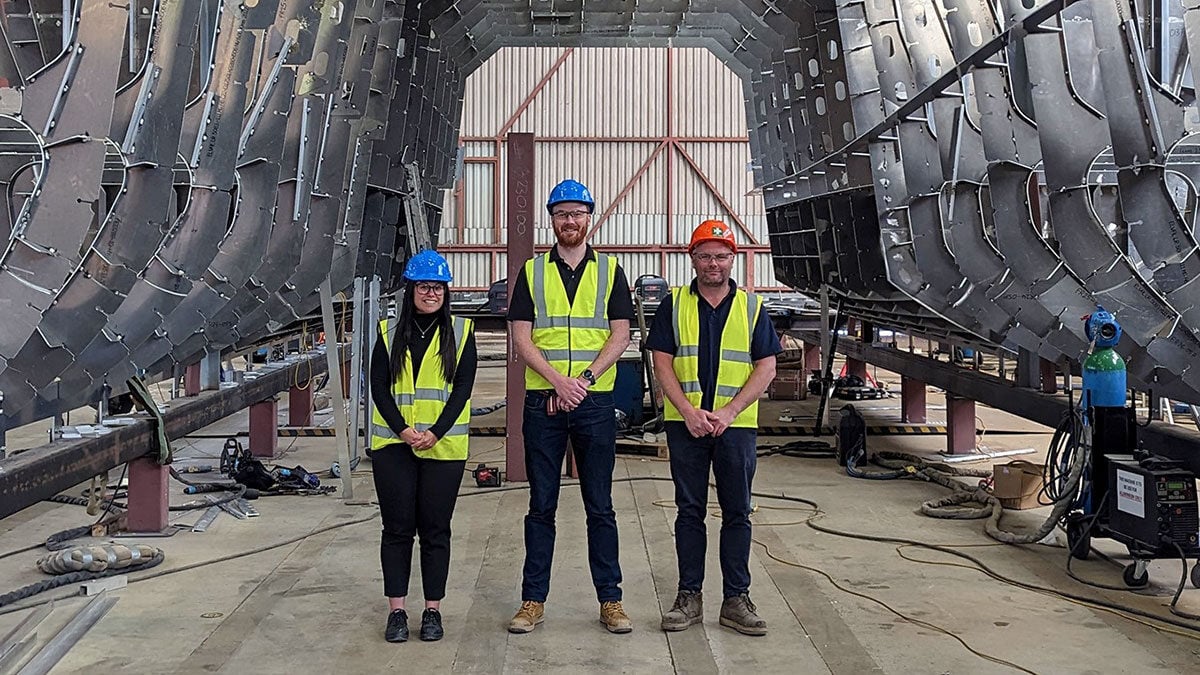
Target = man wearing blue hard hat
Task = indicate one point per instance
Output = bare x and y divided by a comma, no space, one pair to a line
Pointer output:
569,320
422,372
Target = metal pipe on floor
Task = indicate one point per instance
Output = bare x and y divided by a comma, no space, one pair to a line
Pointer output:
76,628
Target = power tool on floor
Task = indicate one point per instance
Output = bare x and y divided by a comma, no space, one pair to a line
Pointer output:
486,476
1144,501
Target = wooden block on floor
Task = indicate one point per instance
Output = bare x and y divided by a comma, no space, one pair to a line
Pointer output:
634,446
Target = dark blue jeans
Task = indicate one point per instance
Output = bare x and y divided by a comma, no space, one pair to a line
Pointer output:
733,457
592,429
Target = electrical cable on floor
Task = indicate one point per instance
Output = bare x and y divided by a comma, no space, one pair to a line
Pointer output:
1055,595
108,507
802,449
918,622
1191,630
19,551
986,569
1183,577
1075,550
989,506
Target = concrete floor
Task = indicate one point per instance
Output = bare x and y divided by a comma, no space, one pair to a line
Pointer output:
315,603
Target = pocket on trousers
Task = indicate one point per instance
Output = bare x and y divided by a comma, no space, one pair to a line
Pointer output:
535,400
599,400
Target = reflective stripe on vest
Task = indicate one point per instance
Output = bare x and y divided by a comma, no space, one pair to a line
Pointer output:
735,365
421,402
570,334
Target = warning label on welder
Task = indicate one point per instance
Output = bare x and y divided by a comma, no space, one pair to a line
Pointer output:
1131,494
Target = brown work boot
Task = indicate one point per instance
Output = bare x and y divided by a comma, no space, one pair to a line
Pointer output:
614,618
687,610
740,614
528,617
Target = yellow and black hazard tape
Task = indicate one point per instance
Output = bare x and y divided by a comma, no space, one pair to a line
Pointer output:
489,431
310,432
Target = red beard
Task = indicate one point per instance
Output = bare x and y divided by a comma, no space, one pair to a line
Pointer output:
571,238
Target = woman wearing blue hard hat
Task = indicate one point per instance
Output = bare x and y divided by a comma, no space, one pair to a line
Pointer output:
422,372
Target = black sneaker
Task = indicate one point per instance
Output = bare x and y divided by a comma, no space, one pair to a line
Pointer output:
397,626
431,625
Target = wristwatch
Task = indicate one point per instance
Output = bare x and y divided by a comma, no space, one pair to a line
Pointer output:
587,375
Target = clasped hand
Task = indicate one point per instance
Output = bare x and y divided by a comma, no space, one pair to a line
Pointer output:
570,392
705,423
418,440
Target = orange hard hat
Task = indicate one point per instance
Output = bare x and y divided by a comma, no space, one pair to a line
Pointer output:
712,230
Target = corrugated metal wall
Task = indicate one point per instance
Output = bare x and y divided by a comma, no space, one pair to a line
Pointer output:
621,121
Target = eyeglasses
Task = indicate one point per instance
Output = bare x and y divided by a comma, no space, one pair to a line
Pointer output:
430,289
570,215
709,257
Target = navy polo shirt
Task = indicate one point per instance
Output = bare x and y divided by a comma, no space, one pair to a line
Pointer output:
764,341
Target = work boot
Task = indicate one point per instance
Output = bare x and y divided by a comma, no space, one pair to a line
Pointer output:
397,626
687,610
528,617
614,618
740,614
431,625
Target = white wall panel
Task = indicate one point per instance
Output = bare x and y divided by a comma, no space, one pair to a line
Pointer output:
468,270
497,88
601,92
636,264
709,97
608,108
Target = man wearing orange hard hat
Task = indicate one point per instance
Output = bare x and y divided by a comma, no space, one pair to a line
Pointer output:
714,355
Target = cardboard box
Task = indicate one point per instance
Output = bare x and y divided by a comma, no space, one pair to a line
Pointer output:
1017,484
789,385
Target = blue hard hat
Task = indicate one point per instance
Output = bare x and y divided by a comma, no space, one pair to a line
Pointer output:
571,190
428,265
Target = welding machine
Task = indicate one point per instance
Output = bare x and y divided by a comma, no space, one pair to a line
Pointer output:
1146,502
1152,510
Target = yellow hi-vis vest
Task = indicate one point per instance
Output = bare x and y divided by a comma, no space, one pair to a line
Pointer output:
421,402
735,366
570,335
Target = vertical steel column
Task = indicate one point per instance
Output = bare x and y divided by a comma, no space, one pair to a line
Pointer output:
375,310
148,498
1028,373
101,405
300,405
357,339
826,345
812,358
210,371
866,332
520,248
856,366
960,424
912,401
338,398
1049,374
191,380
3,429
264,428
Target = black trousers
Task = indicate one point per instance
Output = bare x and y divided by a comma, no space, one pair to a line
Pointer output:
416,497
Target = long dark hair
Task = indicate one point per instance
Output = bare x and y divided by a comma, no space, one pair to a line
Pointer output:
447,348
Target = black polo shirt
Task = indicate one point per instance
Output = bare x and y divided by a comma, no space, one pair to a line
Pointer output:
620,302
764,341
